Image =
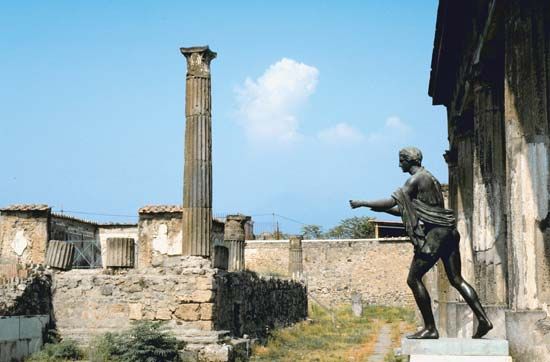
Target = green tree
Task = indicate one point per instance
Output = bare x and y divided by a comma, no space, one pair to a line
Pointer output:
312,231
353,228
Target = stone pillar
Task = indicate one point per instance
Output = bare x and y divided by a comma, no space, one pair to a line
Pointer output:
197,189
526,100
295,266
489,185
234,239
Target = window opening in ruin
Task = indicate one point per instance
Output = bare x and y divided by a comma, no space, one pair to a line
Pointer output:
87,254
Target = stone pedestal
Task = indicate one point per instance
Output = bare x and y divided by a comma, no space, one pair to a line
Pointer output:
197,189
456,350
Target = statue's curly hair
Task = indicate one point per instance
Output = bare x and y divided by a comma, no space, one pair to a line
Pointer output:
412,154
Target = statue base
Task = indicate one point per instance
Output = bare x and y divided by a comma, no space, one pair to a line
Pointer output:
456,350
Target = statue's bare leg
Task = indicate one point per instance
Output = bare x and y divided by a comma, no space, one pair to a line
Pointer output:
453,269
419,267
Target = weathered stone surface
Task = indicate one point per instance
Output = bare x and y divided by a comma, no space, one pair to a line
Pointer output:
333,269
207,311
135,311
197,189
163,314
24,233
295,264
188,312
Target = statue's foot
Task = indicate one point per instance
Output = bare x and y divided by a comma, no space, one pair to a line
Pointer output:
426,333
483,328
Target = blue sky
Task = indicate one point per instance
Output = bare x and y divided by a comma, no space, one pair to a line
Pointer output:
311,102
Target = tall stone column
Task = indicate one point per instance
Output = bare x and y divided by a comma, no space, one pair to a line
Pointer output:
489,186
234,237
295,266
197,188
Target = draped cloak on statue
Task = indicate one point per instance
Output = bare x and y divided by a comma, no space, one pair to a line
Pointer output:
415,212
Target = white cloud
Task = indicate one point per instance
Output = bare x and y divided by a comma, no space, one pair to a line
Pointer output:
393,128
341,133
268,105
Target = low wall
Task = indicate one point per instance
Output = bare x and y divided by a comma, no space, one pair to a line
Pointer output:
251,305
333,269
21,336
90,302
197,302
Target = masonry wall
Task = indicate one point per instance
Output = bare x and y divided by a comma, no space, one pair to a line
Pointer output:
196,301
333,269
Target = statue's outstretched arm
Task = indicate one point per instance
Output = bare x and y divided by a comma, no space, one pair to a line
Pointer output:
376,205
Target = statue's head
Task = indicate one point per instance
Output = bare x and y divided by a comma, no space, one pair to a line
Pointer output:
408,157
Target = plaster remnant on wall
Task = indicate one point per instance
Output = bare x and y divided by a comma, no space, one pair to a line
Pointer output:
19,243
163,244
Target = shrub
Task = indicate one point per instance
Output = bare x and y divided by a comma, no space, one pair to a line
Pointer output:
145,341
66,350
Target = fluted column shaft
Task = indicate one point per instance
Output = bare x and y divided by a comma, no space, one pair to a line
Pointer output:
197,188
295,265
234,236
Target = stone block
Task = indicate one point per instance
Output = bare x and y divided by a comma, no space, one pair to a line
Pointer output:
215,353
202,296
163,314
455,347
188,312
135,311
207,311
204,283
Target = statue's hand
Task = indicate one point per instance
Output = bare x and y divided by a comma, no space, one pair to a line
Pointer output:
354,204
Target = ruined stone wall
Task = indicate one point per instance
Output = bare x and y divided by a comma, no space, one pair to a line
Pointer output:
180,292
195,300
248,304
24,234
27,294
333,269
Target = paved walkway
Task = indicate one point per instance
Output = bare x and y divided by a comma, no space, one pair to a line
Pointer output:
383,344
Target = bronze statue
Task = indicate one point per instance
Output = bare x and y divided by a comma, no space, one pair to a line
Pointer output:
432,230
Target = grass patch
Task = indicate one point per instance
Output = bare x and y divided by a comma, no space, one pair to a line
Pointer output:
331,336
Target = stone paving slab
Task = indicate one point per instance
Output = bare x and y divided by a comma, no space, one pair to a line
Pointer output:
455,347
